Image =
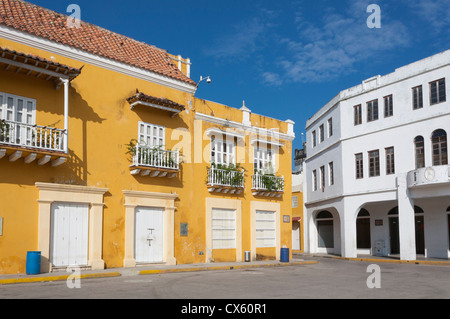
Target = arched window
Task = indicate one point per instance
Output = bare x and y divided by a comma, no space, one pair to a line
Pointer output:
420,152
439,142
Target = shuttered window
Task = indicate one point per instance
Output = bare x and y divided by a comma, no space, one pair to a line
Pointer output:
17,109
223,228
152,135
265,229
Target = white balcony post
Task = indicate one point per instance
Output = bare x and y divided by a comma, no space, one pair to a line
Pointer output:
66,114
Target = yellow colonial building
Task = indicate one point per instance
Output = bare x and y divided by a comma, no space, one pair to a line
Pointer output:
107,159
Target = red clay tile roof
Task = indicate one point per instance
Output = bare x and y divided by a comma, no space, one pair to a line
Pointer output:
141,97
35,61
52,26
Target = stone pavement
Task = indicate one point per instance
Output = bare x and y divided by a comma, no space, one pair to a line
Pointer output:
298,259
146,270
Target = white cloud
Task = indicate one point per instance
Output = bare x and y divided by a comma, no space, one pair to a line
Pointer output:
335,45
435,12
271,78
241,43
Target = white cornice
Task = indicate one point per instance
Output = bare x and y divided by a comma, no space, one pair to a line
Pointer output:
152,195
216,131
70,188
85,57
243,127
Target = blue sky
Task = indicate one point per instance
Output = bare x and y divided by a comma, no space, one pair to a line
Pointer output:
286,59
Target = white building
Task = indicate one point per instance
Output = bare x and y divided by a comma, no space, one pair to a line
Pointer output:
377,179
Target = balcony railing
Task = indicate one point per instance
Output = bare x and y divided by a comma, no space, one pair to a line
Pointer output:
31,136
267,183
156,158
221,179
429,176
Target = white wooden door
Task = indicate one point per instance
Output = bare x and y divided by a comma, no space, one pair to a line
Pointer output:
295,236
69,246
149,235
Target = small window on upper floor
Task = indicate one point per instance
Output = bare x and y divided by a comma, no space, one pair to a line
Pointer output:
420,151
439,144
314,138
417,97
294,201
388,106
374,163
314,180
223,152
330,127
437,92
372,111
357,113
152,135
321,133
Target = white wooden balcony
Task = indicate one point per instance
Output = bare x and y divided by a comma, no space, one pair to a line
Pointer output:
32,142
267,185
225,181
154,162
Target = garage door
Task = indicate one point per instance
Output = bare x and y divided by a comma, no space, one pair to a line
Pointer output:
69,229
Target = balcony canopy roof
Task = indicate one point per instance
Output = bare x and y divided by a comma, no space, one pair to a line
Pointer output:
38,67
155,102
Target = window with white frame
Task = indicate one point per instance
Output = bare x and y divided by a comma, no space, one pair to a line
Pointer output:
223,152
314,138
265,229
372,111
314,180
152,135
17,109
330,127
223,228
294,201
437,92
264,160
331,173
321,133
322,178
417,97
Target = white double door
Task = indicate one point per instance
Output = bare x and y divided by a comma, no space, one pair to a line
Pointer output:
149,235
69,231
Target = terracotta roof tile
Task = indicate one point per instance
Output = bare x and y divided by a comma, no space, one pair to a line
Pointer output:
51,25
141,97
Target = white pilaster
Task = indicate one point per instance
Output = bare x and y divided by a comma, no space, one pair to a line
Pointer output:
406,220
66,114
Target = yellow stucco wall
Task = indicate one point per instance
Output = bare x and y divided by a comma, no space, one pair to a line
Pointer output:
101,123
298,212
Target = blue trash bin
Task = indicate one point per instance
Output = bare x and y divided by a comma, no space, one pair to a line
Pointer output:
284,255
33,263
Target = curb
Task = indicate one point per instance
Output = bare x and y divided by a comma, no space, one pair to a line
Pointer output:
395,261
55,278
174,270
146,272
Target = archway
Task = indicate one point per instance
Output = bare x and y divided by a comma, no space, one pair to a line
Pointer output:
325,230
363,230
395,233
448,222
